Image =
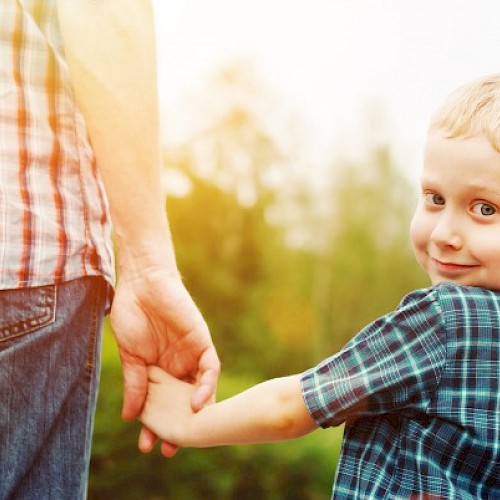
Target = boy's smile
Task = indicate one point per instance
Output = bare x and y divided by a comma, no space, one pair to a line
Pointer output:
456,227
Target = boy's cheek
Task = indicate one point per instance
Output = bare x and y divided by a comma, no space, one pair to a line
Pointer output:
417,232
419,237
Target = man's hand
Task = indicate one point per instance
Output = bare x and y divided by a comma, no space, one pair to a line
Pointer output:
156,322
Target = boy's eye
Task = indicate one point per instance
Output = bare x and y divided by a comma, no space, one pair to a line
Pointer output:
484,209
434,199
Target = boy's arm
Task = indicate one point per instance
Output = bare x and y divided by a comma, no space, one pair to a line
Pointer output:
271,411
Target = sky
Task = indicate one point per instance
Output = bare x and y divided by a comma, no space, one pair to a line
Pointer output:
330,60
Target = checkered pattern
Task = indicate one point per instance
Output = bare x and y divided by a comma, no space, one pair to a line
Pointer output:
418,390
54,223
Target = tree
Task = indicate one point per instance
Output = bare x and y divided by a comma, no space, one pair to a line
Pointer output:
234,258
368,265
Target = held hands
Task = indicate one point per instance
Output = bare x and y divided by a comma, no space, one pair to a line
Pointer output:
156,322
167,411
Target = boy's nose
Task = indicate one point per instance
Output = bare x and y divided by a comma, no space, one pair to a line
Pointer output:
447,233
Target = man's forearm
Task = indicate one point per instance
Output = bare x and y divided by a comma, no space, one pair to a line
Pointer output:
111,52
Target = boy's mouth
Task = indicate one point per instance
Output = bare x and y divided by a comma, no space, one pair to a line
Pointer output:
451,267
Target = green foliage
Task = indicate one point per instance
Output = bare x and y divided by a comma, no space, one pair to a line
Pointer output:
237,266
368,265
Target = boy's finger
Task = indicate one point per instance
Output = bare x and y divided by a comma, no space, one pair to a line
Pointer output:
157,375
168,450
147,440
153,373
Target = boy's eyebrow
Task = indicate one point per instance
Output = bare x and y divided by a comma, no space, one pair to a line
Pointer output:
485,186
426,180
478,185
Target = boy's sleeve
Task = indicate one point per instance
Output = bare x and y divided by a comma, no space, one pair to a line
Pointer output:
392,364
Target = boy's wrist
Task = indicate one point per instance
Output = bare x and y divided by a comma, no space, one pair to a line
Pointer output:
195,431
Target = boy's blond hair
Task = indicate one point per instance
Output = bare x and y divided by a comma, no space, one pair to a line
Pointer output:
472,109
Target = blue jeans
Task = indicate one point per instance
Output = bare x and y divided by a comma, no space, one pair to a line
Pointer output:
50,341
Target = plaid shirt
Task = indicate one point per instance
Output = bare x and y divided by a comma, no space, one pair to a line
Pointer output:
54,222
419,392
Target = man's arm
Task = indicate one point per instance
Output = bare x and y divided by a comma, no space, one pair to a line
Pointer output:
111,53
271,411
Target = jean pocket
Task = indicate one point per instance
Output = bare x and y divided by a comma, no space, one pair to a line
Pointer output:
25,310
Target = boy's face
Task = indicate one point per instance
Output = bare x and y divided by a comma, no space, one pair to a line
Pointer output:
456,227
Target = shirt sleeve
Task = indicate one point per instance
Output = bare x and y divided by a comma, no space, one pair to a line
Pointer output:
392,364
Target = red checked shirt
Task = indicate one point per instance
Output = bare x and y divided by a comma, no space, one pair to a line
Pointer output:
54,221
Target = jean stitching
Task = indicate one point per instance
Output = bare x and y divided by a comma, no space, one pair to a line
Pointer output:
90,362
24,327
92,377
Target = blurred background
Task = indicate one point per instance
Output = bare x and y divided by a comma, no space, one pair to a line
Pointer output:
292,142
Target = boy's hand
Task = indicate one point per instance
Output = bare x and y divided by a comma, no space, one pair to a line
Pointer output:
167,410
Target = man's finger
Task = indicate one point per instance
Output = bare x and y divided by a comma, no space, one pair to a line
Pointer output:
135,380
209,362
204,394
209,369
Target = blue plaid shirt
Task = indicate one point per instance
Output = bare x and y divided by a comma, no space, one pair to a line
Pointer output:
418,390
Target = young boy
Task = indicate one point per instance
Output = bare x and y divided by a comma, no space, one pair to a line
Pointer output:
419,388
